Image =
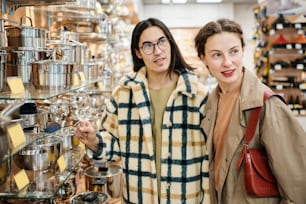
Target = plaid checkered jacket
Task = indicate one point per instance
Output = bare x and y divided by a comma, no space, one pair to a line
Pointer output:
127,135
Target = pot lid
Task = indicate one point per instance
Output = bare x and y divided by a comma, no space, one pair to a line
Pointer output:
89,197
96,172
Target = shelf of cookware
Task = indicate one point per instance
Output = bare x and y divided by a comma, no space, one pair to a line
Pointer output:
46,166
45,181
32,93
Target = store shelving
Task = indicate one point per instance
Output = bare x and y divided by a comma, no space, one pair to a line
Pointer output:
280,56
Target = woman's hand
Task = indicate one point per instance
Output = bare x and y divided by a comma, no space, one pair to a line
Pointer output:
86,133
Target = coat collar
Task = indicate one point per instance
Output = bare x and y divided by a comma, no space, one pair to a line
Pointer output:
251,94
186,84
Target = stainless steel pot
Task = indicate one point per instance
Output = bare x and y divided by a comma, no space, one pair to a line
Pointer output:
48,74
40,155
19,61
26,36
68,51
90,70
104,179
67,136
89,198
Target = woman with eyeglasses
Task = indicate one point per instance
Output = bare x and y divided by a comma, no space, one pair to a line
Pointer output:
152,123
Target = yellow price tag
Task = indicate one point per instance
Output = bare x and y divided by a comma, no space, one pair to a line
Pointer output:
75,80
15,84
82,77
62,163
17,95
16,135
100,86
21,179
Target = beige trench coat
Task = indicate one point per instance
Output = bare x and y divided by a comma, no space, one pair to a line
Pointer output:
281,135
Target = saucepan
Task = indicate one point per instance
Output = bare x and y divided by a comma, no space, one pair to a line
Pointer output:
106,179
49,74
40,155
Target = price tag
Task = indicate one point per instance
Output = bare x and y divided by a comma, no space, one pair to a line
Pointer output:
75,80
100,86
302,86
298,46
62,163
289,46
16,134
277,67
272,32
298,25
82,77
21,179
15,84
279,26
279,87
299,66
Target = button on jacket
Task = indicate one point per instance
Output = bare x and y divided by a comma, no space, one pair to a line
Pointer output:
184,175
281,135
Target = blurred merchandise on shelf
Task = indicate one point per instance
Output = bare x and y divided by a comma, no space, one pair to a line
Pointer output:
281,62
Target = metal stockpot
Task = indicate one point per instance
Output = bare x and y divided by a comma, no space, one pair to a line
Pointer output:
19,61
26,36
40,155
90,70
107,180
48,74
67,136
68,51
89,198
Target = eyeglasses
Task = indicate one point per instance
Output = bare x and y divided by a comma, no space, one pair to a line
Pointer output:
162,44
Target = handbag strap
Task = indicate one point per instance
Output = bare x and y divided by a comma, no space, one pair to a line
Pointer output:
254,119
251,127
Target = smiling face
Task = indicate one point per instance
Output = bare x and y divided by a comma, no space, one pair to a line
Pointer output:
158,61
224,59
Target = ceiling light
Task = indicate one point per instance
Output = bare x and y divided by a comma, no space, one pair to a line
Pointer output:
209,1
174,1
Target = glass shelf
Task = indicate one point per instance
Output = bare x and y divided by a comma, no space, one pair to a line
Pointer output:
42,94
44,185
38,2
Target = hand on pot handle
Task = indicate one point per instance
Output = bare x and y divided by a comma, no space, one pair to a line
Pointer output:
86,133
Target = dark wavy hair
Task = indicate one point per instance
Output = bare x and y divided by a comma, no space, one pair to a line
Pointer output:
177,61
215,27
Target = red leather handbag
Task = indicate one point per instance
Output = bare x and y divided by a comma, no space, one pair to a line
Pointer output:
258,178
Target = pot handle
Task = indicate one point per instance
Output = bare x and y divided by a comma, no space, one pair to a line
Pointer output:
23,17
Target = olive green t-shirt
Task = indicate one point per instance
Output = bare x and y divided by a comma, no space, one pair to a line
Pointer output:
159,99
